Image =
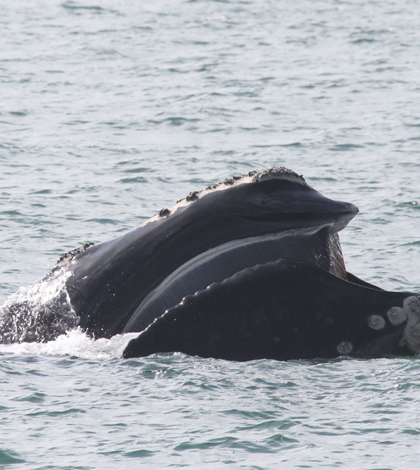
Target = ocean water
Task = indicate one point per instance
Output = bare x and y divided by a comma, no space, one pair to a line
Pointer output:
110,111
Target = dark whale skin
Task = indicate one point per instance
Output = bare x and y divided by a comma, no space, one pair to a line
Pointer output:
300,305
110,280
281,310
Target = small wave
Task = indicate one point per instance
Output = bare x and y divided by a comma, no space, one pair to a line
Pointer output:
74,343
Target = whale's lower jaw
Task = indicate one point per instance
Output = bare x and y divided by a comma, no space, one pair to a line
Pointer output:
284,310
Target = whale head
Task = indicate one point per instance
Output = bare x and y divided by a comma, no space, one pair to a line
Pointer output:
263,216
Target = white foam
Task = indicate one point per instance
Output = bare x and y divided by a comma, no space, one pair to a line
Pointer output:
74,343
40,312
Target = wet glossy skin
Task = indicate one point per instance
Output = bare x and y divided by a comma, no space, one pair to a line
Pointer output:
110,280
282,310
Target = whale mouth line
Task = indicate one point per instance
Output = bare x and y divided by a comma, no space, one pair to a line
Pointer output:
317,245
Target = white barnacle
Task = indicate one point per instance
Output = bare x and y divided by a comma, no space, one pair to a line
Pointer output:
396,315
412,306
411,336
376,322
345,347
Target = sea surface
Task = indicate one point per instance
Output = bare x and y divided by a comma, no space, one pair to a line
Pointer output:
112,110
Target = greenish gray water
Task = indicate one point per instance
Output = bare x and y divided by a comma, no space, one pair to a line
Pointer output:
178,411
111,111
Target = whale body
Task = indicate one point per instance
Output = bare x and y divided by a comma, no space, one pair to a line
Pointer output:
246,269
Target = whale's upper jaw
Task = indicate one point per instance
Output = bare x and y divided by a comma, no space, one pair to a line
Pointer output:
255,176
293,205
270,204
277,198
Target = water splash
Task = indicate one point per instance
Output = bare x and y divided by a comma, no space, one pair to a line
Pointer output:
73,343
39,313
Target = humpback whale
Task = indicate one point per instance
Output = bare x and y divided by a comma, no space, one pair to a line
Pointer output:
246,269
